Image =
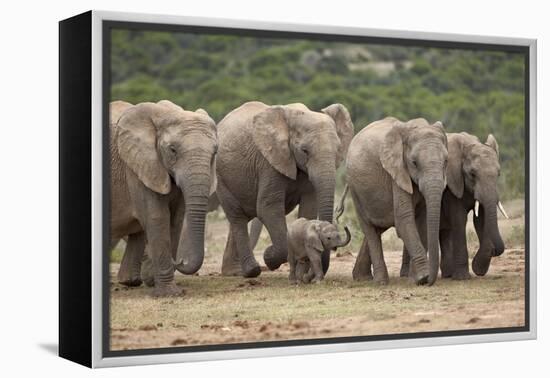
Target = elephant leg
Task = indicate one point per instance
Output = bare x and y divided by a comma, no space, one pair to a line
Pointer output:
362,270
231,264
459,244
405,263
271,212
130,266
420,221
292,265
302,269
249,265
152,211
447,258
178,233
406,227
276,254
147,274
255,231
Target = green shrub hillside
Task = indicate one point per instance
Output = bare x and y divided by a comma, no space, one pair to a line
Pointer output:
480,92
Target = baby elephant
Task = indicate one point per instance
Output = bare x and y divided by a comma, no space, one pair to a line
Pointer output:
307,240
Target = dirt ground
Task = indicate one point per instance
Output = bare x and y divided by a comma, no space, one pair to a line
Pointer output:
218,309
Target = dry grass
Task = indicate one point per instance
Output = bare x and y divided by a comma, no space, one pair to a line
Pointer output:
218,309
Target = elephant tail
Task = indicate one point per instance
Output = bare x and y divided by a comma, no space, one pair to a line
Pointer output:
340,208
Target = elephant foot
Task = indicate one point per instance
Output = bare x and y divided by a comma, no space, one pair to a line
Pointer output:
362,273
130,282
404,272
250,268
273,259
147,272
420,276
361,276
167,290
232,268
461,274
421,279
383,281
446,271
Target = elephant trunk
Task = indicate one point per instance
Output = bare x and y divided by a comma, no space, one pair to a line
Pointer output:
432,195
491,234
348,238
324,182
195,183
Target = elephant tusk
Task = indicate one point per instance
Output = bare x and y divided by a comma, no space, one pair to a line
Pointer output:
501,208
177,263
476,208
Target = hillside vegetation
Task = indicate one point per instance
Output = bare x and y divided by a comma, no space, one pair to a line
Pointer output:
479,92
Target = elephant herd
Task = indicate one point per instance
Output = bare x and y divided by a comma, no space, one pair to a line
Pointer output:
170,166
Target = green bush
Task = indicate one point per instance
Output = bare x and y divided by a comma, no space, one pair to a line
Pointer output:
480,92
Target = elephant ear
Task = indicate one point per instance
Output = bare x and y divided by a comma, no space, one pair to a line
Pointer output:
313,237
392,159
169,105
344,128
492,142
137,141
455,178
271,136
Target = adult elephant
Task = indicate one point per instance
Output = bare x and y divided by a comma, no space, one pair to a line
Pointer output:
162,169
396,175
472,175
271,159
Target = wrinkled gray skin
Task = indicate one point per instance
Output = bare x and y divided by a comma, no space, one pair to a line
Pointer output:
162,169
307,241
213,204
396,176
272,159
472,174
184,248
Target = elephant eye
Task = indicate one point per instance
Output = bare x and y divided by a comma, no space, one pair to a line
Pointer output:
304,150
415,164
172,149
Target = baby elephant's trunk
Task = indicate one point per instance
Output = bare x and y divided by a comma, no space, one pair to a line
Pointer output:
348,238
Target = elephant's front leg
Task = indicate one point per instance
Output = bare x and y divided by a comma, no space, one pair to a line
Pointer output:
231,264
180,235
316,266
302,271
130,266
271,212
460,246
154,214
406,227
249,265
255,231
405,263
447,259
292,263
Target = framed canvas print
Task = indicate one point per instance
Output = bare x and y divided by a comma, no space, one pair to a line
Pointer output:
232,189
